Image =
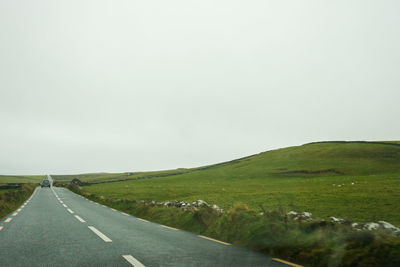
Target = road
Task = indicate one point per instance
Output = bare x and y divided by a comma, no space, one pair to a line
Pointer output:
56,227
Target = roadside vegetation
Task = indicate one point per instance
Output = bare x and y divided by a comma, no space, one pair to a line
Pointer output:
357,181
14,190
11,199
309,242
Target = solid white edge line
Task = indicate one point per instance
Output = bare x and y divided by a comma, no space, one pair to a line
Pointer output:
79,219
133,261
100,234
125,214
70,211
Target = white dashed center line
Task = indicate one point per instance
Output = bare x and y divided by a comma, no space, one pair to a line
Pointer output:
15,214
133,261
70,211
100,234
1,227
65,206
8,220
79,219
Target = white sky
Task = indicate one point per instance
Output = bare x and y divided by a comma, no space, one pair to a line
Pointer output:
89,86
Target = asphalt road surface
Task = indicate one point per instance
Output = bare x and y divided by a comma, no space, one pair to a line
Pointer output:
56,227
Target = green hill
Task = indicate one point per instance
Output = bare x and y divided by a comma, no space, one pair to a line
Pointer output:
19,179
355,180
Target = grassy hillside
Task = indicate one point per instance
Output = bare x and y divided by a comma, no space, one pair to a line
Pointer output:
302,178
4,179
101,177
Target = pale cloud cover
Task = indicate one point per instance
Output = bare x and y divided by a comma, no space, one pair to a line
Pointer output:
90,86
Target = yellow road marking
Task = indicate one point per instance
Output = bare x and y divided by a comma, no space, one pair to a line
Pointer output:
286,262
215,240
172,228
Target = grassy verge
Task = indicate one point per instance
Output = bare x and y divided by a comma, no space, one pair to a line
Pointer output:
315,243
359,181
11,199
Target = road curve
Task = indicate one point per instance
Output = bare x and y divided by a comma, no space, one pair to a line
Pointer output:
56,227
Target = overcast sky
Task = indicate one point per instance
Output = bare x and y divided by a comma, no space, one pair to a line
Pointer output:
90,86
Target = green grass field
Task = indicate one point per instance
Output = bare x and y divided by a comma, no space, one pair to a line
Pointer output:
98,177
4,179
302,178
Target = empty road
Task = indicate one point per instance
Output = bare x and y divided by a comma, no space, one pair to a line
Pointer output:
56,227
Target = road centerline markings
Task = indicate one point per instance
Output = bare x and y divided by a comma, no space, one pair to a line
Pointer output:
133,261
215,240
79,219
1,228
100,234
15,214
65,206
70,211
8,220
